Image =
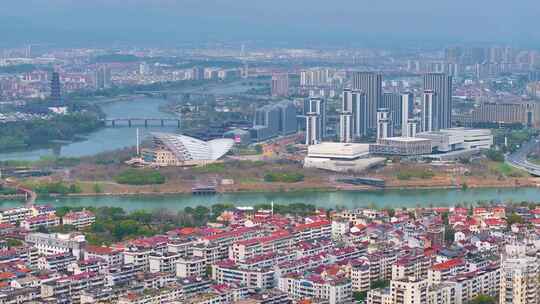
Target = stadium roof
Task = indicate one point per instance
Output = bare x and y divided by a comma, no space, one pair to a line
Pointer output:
188,148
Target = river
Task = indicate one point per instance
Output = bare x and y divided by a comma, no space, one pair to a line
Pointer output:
108,139
330,199
105,139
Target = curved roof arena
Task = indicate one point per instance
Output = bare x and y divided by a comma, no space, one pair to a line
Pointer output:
188,148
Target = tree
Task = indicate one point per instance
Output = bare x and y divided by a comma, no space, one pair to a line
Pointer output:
125,228
14,243
379,284
449,234
391,212
514,218
217,209
483,299
98,188
141,216
360,296
495,155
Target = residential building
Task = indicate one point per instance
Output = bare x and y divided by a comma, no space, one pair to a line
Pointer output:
191,267
355,102
313,131
162,261
407,112
317,105
385,127
79,219
345,127
370,84
519,280
333,289
280,85
55,243
35,222
440,109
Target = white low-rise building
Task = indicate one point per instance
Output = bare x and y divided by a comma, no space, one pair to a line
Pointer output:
454,139
14,215
190,267
55,243
79,219
162,262
340,157
35,222
334,290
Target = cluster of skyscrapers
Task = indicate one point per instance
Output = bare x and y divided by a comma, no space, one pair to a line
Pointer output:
367,111
273,120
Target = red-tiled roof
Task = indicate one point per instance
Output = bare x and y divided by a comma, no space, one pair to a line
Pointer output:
448,264
312,225
101,250
77,215
266,239
226,234
494,222
41,218
7,275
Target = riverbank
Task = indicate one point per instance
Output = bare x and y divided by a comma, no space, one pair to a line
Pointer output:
97,176
12,197
326,199
279,189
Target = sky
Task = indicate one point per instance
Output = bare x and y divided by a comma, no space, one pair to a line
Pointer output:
296,22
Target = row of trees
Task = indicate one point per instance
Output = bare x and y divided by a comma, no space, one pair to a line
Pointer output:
24,134
57,187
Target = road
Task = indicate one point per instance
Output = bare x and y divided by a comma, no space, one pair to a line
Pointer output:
519,160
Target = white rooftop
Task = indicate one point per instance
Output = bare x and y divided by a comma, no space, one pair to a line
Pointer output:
338,150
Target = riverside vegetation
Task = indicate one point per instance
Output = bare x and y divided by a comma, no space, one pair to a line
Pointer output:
114,224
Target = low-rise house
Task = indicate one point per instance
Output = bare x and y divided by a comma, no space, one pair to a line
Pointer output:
163,262
190,267
41,221
56,262
111,256
79,219
333,289
69,288
172,293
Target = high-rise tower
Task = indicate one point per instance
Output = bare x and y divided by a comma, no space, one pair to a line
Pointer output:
345,127
384,124
313,132
371,84
280,84
354,101
317,105
441,85
427,111
392,102
407,108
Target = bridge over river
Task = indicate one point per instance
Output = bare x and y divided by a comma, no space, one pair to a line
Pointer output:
141,121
